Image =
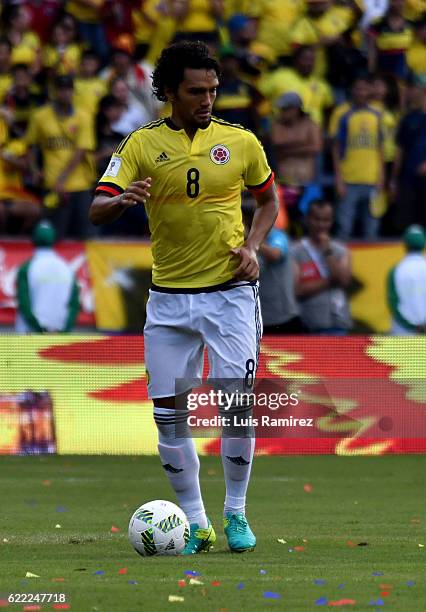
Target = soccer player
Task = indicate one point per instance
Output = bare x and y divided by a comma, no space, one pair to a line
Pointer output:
204,291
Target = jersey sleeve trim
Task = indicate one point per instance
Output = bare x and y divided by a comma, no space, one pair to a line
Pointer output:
110,188
263,186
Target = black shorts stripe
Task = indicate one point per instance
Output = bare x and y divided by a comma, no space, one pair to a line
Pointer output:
257,321
222,287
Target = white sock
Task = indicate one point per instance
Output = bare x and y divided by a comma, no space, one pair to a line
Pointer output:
237,459
181,464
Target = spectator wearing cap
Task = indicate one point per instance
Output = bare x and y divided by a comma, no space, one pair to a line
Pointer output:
358,162
46,291
406,286
315,92
295,142
408,184
65,137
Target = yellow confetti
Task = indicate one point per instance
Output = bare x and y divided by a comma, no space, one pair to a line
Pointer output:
5,540
31,575
421,545
281,541
195,582
58,526
175,598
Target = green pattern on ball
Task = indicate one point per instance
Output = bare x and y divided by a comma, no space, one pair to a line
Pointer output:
148,542
169,523
145,515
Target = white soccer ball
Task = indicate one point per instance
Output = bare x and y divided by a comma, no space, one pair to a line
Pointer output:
159,528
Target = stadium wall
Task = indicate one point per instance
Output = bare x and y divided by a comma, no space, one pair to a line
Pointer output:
87,395
114,279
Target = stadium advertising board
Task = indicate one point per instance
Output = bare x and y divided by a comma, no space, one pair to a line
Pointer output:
365,395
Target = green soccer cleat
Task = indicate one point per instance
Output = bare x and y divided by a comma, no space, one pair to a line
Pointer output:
238,533
200,540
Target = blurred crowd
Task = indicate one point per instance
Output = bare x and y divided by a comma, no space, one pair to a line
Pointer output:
335,90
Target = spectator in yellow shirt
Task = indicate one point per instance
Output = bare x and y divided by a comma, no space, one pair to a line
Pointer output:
322,25
276,19
5,67
26,46
62,56
315,92
197,20
65,137
358,163
89,88
416,54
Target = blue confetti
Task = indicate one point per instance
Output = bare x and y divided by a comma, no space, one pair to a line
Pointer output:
322,601
319,581
410,583
263,572
271,595
99,572
341,586
192,573
377,574
241,585
378,602
61,509
132,581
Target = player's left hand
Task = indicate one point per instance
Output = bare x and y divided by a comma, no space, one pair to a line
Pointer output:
249,266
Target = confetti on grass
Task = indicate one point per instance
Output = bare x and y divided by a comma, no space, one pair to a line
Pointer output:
99,573
377,574
215,583
319,581
61,509
410,583
132,581
241,585
31,608
322,601
115,529
192,573
271,595
307,488
377,602
195,582
175,598
342,602
58,526
281,541
181,583
123,570
31,575
262,572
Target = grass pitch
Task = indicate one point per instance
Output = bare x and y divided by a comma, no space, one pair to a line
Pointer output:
352,531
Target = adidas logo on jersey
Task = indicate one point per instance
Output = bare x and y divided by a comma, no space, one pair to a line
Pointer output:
162,158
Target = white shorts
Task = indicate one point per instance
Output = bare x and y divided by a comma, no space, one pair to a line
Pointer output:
180,325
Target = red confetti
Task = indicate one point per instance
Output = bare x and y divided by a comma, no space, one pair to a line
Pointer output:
299,548
385,593
350,544
342,602
61,607
386,586
123,570
307,488
31,608
115,529
58,579
181,583
215,583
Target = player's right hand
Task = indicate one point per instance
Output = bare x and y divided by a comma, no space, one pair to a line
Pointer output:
136,193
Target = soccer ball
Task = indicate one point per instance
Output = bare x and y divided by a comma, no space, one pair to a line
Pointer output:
159,528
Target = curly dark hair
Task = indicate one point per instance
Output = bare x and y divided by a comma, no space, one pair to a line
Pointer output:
170,66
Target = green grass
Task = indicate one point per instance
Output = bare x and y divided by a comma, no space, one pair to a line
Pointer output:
380,501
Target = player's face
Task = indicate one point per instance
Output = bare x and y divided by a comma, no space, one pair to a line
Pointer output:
193,102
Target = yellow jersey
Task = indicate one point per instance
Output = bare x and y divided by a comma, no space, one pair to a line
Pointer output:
195,207
59,138
276,19
359,135
88,92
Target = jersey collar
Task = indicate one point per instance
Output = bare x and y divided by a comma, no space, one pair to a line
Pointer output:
174,127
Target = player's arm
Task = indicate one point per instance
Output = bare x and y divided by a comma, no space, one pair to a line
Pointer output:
106,208
263,220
